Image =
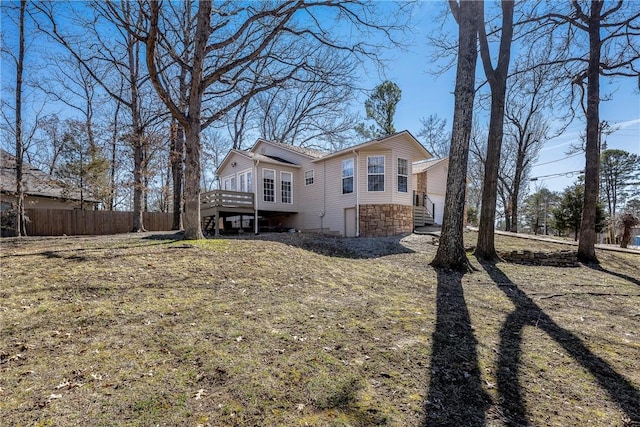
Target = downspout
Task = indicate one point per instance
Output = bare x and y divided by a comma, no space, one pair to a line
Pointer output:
255,196
356,185
324,196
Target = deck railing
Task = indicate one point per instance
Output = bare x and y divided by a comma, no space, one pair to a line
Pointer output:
226,199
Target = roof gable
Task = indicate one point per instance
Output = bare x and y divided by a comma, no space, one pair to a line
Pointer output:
418,147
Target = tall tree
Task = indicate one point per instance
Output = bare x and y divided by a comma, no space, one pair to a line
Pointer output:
589,40
311,110
229,42
497,78
526,130
619,178
20,219
116,64
451,252
12,107
381,107
434,135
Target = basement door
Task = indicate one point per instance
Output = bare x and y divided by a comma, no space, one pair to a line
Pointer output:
350,222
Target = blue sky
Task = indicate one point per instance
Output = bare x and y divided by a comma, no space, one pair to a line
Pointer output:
424,94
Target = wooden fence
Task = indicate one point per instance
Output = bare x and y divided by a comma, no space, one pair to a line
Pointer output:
56,222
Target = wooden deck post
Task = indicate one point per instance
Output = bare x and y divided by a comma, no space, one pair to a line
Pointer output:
216,216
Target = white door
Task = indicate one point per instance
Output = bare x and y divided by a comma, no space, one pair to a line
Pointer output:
350,222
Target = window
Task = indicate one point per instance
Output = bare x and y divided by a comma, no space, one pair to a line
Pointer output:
347,176
403,172
245,181
285,187
269,184
308,177
229,183
375,173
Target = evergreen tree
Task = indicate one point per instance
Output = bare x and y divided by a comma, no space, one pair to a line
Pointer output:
381,107
568,214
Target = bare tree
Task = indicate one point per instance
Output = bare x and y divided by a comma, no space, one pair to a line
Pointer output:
497,78
113,62
228,42
451,252
589,40
526,130
15,122
435,136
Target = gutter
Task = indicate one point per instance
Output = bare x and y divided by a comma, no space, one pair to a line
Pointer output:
255,196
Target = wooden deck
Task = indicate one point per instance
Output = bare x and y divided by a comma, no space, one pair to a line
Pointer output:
220,203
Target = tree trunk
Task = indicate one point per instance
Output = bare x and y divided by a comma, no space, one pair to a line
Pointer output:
177,172
192,226
587,241
497,79
138,184
112,169
451,253
20,217
138,140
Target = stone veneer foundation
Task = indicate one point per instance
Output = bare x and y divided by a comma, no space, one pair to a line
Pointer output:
385,220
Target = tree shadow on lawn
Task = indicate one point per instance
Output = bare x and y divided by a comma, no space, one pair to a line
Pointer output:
528,313
623,276
456,396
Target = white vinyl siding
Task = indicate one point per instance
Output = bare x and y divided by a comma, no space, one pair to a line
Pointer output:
375,173
286,187
269,185
403,172
347,176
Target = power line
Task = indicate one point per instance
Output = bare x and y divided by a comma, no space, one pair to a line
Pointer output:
559,160
557,175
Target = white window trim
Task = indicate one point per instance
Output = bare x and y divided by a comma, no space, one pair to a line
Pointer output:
313,177
281,181
353,173
228,178
398,175
384,177
275,185
242,174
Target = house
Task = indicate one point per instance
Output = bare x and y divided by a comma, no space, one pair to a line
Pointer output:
430,182
363,190
41,191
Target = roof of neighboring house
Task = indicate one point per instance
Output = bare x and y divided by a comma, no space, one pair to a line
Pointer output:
309,152
34,181
424,165
377,141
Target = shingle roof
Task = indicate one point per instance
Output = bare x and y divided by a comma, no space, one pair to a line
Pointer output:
35,182
422,166
310,152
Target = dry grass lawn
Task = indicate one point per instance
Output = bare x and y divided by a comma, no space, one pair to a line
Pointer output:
296,330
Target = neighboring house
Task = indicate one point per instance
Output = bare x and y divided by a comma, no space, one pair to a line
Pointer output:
430,182
363,190
41,191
